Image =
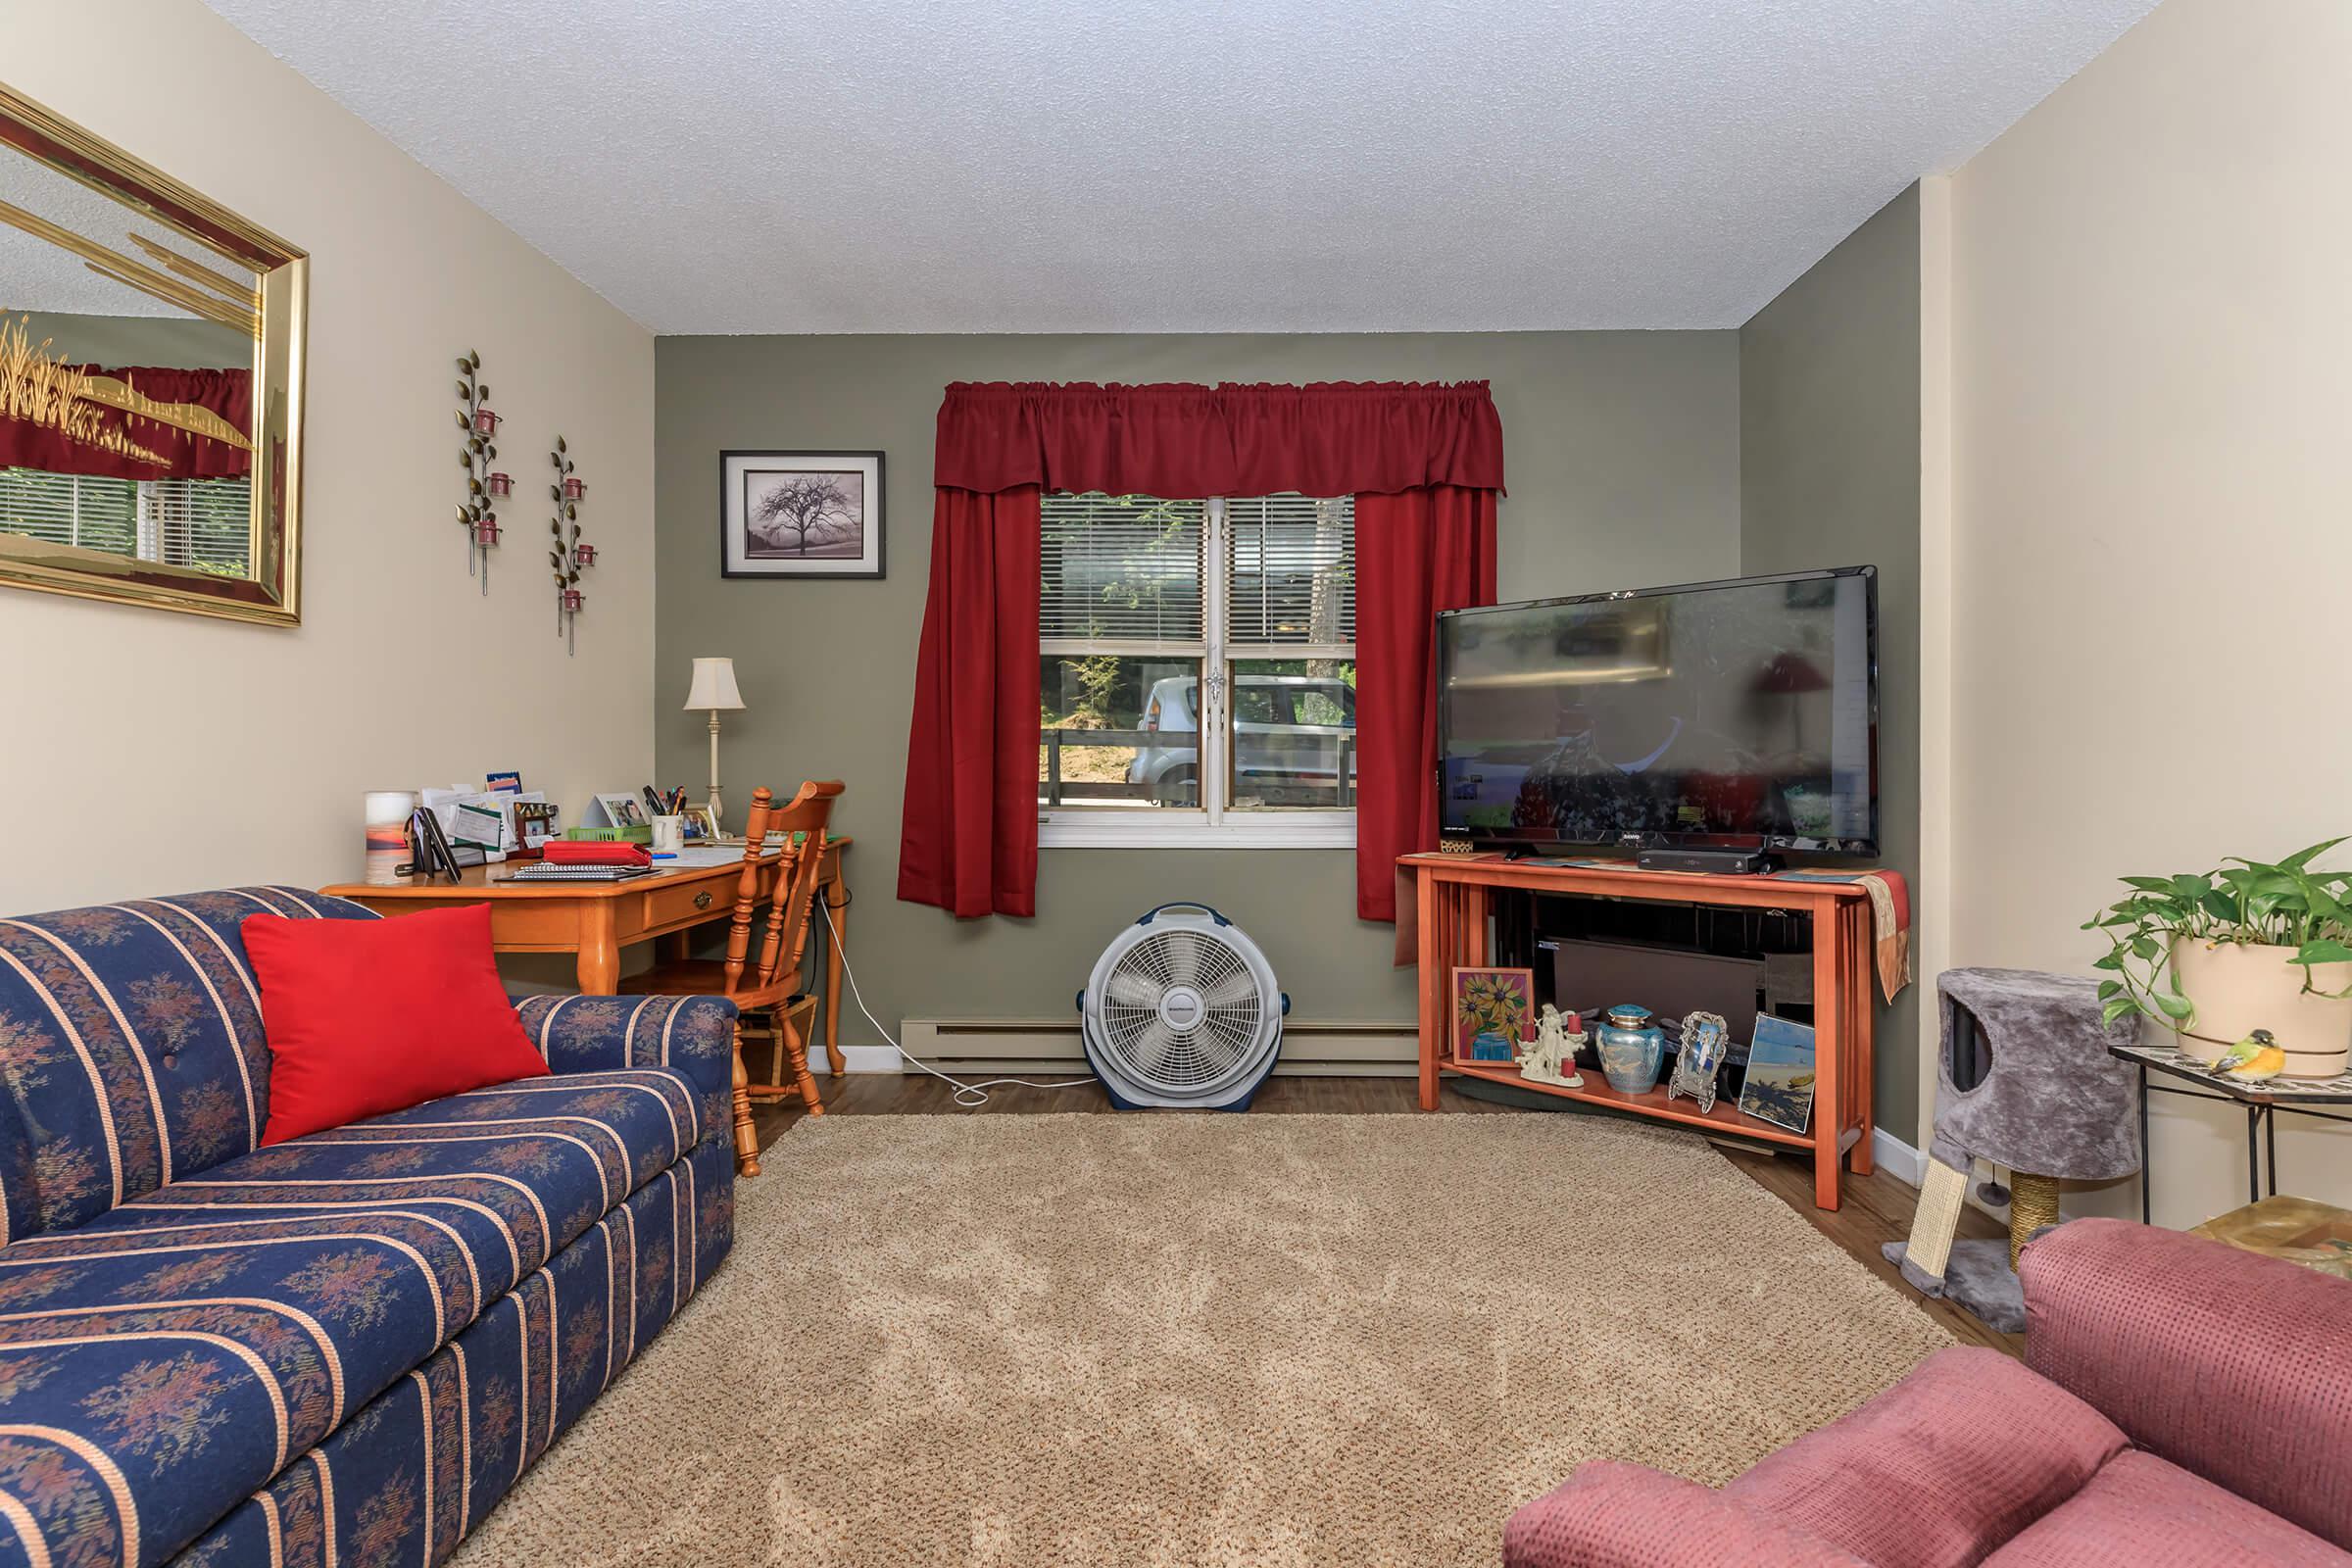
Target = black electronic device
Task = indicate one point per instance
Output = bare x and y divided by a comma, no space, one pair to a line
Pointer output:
1738,715
431,855
1716,863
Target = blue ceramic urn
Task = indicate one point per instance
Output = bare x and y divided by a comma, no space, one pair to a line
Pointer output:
1632,1050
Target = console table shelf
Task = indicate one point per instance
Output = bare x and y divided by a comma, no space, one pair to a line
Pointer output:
1450,906
1726,1118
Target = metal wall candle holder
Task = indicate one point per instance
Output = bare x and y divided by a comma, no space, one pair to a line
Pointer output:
479,424
565,552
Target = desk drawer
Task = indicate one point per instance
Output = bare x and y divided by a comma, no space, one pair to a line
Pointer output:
711,898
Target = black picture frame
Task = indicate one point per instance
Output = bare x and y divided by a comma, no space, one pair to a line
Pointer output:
733,564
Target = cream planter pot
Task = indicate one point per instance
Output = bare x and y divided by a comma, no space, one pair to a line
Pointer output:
2239,986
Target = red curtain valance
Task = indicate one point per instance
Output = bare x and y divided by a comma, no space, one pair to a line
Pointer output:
1325,439
35,444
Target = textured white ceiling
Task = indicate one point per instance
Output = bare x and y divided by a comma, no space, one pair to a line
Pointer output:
893,166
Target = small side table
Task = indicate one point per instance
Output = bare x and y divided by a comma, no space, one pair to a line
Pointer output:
2264,1102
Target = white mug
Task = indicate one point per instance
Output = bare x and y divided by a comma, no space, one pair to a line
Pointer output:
670,834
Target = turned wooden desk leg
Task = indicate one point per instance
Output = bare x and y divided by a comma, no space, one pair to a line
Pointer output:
747,1136
1830,1001
837,901
1861,1041
1433,968
599,965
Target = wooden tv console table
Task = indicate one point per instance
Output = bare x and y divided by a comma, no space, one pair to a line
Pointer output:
1454,894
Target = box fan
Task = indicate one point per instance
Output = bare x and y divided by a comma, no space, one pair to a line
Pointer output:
1182,1013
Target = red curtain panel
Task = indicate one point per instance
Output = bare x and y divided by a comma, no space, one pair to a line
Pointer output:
1425,464
1329,438
1416,552
175,453
967,839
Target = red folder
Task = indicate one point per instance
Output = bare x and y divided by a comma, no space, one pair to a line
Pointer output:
581,851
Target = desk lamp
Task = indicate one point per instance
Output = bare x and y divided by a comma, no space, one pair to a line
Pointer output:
713,690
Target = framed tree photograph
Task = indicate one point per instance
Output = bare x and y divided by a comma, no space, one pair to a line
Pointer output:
799,513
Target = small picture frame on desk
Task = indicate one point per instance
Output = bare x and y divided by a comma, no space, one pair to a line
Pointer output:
701,826
535,822
615,809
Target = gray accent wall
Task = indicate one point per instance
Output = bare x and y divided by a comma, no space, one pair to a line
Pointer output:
1829,476
1623,453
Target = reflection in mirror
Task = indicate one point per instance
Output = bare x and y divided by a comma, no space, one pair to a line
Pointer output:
136,324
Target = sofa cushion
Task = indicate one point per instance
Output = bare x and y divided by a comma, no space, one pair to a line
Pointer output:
200,1337
1975,1446
2227,1363
366,1018
132,1047
2141,1510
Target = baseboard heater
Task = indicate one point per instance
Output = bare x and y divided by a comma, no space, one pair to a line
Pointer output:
1309,1050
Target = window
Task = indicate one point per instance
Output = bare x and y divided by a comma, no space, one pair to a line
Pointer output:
206,524
1198,672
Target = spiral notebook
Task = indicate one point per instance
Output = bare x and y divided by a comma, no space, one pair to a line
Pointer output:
545,871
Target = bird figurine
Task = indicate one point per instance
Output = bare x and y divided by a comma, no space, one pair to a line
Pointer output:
2253,1059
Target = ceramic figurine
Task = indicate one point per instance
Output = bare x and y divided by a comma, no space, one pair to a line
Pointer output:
1552,1059
1705,1038
2253,1059
1632,1050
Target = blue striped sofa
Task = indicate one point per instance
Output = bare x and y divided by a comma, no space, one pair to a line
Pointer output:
339,1351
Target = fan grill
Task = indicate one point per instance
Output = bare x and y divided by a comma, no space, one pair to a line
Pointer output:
1176,1047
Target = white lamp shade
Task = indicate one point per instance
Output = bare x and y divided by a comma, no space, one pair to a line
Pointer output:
713,685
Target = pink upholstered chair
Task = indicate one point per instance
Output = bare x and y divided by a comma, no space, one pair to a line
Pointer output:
2181,1404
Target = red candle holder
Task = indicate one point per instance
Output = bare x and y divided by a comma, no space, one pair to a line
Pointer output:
485,532
583,555
573,599
485,423
574,488
498,484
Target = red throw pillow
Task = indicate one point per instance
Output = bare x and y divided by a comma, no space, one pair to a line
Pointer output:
368,1017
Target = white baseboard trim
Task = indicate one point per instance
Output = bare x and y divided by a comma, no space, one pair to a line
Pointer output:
1896,1157
862,1058
976,1047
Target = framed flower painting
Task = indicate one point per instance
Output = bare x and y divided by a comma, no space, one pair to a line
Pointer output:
1492,1013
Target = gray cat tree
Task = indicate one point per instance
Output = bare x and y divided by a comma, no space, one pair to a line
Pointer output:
2024,1080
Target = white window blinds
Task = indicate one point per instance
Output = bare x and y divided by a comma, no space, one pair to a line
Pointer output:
1292,570
202,523
1120,569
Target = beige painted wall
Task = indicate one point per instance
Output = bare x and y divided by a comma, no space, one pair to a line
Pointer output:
1623,460
1829,476
2149,332
147,753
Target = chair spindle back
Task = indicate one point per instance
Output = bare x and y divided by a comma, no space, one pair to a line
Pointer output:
785,943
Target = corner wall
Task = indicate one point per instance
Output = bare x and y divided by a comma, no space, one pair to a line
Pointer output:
1830,476
2149,333
147,753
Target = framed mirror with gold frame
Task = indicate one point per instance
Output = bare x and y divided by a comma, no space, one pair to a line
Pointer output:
151,384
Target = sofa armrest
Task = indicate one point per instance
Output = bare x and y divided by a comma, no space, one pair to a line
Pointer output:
692,1036
1609,1515
2223,1362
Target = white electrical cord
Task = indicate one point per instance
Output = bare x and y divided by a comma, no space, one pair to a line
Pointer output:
971,1097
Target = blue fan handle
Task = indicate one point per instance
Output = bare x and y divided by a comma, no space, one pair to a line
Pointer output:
1184,904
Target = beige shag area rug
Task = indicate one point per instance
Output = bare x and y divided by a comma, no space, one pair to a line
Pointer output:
1270,1339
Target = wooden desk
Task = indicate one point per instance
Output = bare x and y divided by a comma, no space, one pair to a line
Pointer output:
595,920
1454,900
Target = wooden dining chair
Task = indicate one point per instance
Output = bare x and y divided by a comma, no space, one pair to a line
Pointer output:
772,987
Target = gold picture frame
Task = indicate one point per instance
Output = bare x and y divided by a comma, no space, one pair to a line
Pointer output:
273,311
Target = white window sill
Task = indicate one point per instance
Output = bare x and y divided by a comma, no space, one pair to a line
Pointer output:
1152,830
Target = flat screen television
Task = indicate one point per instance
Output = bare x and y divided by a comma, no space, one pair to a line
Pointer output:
1735,715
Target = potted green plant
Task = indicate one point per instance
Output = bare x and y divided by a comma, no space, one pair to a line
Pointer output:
2244,946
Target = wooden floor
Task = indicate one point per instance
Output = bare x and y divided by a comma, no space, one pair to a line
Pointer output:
1877,1208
